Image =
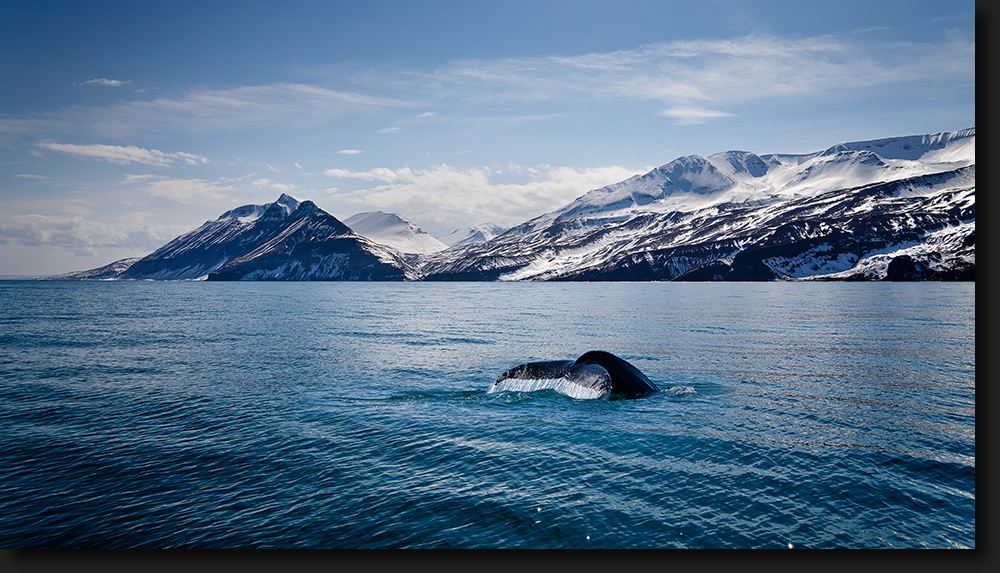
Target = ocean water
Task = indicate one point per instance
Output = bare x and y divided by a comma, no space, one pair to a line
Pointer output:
355,415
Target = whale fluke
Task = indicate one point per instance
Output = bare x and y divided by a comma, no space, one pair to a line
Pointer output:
596,374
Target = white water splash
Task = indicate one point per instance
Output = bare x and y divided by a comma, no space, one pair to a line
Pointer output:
560,385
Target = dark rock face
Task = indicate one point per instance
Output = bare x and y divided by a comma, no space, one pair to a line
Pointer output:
904,268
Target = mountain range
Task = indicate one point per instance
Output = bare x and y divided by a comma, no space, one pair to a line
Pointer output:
899,208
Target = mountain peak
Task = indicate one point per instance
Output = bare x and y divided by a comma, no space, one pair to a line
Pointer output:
288,202
281,208
375,218
289,239
393,230
745,162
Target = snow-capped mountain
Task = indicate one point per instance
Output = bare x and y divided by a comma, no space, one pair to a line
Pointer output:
394,231
899,208
890,208
285,240
474,234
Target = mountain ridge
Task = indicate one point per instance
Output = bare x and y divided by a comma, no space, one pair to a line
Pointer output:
898,208
695,218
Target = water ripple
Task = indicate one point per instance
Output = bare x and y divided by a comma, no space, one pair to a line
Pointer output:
180,415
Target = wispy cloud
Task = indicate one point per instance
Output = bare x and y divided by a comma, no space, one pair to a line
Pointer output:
264,183
350,152
188,191
717,75
282,104
198,111
693,115
106,82
124,155
376,174
709,75
132,178
444,195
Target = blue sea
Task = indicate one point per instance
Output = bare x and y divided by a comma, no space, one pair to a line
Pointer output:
355,415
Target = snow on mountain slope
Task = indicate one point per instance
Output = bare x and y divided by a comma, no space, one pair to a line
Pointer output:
694,182
107,272
196,254
394,231
475,234
951,146
311,246
289,239
281,208
737,215
899,208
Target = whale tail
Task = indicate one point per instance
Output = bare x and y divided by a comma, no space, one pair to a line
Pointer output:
595,374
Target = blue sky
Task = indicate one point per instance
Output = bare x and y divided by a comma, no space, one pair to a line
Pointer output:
125,124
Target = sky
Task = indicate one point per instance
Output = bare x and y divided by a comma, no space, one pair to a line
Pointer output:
125,124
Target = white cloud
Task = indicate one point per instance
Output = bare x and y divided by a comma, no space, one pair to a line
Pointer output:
187,191
199,111
132,178
686,76
693,115
350,152
376,174
264,183
106,82
716,74
282,104
80,235
445,197
124,155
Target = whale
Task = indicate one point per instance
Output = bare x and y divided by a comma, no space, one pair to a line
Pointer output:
594,375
